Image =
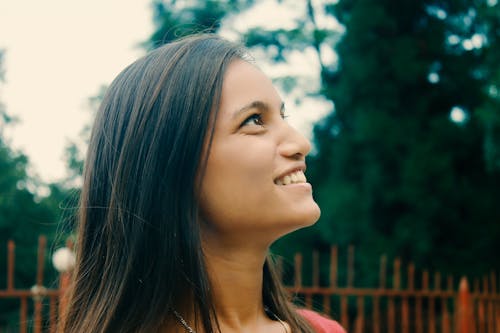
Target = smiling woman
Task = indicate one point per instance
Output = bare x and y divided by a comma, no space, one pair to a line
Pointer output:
254,153
192,172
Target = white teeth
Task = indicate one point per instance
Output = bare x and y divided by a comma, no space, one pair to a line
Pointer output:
293,178
301,177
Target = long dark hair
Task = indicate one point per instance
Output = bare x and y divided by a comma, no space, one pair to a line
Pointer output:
139,252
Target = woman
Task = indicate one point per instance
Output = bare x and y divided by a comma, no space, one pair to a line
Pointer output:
191,174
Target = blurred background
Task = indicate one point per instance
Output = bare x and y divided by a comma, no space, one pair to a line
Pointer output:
400,98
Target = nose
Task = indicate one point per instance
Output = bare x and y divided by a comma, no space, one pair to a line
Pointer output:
293,144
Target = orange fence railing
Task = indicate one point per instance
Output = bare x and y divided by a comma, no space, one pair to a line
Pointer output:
436,305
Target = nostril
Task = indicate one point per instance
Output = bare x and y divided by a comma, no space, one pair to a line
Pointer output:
295,147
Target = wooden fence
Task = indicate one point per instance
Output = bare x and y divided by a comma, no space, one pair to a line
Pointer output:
39,306
444,308
394,309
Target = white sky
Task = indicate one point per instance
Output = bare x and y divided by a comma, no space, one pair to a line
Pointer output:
59,52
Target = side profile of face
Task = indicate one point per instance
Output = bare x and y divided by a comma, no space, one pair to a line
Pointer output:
254,184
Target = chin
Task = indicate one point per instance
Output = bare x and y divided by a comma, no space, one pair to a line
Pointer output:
305,217
313,217
302,219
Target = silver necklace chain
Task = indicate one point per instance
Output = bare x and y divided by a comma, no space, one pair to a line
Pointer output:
183,322
191,330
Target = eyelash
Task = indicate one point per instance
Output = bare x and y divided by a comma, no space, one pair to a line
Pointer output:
258,117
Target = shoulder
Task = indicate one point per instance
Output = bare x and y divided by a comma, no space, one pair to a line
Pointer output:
321,323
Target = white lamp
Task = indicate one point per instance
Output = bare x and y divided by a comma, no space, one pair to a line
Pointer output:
63,259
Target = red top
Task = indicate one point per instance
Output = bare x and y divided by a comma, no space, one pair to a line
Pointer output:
320,323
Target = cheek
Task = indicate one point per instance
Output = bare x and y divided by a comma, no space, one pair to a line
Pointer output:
234,184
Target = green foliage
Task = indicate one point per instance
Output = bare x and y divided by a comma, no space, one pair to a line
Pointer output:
24,215
393,174
175,19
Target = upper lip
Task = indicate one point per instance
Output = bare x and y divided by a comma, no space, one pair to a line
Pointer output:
296,167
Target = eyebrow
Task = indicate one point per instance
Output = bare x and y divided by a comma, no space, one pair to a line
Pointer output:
256,105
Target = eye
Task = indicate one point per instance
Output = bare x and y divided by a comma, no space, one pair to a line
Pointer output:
254,119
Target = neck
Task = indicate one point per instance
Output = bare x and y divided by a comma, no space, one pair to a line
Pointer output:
236,277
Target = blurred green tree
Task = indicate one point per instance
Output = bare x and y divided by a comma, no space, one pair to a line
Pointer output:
401,166
24,215
174,19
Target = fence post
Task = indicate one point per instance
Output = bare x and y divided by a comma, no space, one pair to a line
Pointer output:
10,264
464,308
65,276
64,281
38,289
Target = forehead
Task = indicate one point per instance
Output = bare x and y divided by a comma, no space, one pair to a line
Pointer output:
244,84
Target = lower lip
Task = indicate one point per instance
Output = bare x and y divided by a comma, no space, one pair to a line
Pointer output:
304,186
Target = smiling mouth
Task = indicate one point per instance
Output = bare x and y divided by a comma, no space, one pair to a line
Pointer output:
296,177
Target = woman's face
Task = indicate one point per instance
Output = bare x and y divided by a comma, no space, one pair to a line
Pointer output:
254,182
